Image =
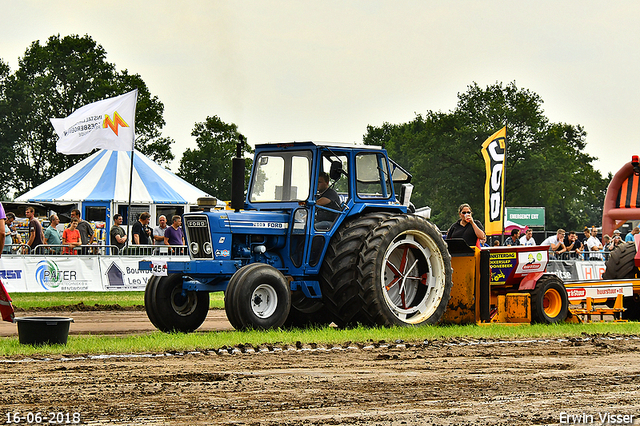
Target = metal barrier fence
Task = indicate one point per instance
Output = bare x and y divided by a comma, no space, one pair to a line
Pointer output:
16,249
99,250
585,255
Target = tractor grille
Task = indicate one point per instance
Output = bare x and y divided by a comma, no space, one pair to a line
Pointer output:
198,236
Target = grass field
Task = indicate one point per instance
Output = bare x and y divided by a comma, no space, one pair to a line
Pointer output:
158,342
108,299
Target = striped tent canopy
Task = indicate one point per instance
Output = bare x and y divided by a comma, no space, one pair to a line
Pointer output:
104,176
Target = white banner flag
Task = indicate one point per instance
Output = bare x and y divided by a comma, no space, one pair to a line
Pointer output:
107,124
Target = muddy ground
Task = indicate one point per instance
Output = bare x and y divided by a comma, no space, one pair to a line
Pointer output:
393,383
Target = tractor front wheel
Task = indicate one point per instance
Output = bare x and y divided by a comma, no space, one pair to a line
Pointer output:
170,308
258,297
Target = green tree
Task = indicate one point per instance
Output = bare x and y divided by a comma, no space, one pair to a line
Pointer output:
546,162
7,159
208,167
53,80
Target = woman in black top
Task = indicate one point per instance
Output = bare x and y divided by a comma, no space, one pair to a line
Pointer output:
466,228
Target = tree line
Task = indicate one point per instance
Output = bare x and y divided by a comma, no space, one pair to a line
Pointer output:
546,162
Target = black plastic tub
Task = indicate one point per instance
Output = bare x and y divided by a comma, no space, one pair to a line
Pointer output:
43,330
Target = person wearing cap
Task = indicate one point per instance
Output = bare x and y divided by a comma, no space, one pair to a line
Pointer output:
629,237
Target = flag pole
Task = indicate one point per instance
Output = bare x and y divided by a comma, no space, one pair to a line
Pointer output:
133,149
504,185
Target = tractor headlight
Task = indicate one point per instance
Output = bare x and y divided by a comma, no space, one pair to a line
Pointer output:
194,247
207,248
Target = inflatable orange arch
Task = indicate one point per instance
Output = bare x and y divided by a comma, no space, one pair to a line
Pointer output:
622,202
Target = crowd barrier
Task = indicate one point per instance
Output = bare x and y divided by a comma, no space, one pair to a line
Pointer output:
587,255
94,249
100,268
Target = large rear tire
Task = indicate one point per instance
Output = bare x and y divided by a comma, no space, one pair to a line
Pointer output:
549,300
170,310
620,264
341,293
405,272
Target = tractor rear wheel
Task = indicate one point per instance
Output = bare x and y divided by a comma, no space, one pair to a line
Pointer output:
620,264
549,300
171,309
341,293
260,297
405,272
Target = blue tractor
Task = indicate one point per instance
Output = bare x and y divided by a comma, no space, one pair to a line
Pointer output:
282,259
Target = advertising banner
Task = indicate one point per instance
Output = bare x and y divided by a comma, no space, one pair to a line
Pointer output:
493,151
507,265
572,270
600,292
72,273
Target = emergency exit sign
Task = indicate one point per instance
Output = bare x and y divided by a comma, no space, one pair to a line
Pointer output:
530,216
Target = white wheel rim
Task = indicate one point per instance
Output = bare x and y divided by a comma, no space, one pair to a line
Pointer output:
264,301
413,277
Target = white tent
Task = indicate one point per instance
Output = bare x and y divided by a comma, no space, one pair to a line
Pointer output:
101,181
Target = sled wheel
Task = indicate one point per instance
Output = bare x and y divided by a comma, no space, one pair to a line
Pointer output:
549,300
173,310
620,264
341,293
230,304
260,297
405,271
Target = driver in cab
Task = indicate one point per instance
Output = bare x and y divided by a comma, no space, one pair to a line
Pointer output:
326,197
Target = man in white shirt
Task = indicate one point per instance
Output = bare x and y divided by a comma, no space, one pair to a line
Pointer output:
556,242
527,238
593,243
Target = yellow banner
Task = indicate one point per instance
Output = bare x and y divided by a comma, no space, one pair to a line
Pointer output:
493,151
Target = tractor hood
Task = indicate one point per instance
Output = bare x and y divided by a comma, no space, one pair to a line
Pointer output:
248,222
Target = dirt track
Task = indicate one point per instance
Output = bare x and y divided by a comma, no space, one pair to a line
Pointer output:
442,383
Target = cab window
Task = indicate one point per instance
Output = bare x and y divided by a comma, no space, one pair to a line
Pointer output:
281,176
372,176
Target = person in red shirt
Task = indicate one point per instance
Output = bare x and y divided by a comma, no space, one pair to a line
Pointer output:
71,237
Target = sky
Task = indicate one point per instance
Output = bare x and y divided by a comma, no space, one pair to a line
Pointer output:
285,70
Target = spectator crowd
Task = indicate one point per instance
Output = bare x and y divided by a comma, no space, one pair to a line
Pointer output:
78,236
569,245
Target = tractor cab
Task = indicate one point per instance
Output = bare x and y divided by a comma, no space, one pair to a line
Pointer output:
292,178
